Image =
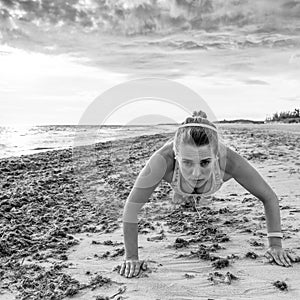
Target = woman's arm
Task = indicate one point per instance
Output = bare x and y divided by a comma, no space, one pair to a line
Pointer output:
135,201
146,182
130,231
250,179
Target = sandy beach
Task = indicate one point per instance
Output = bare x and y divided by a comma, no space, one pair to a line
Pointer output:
61,227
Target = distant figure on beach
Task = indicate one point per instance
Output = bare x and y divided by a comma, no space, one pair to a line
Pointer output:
196,163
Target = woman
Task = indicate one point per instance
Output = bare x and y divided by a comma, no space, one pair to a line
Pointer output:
197,163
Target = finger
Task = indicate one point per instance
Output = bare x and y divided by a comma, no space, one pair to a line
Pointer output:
138,269
282,259
277,260
122,268
127,270
268,256
287,259
132,268
291,256
144,266
297,258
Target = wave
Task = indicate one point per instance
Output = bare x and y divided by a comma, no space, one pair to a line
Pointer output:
42,148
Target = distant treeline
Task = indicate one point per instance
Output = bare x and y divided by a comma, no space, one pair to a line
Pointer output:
285,117
243,121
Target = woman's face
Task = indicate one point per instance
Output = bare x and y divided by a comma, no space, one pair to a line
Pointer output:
196,163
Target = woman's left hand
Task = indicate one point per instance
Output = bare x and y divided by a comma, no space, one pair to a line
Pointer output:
280,256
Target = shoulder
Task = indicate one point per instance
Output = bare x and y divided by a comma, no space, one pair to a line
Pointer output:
167,153
158,167
227,161
235,163
167,150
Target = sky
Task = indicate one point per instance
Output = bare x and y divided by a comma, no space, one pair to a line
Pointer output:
56,58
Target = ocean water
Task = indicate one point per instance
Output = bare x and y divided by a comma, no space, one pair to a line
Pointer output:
22,140
17,141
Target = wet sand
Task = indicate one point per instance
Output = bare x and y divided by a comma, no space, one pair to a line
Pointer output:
61,229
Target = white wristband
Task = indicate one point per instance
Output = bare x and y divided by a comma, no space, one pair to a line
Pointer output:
275,234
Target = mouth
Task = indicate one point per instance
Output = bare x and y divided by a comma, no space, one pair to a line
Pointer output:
197,180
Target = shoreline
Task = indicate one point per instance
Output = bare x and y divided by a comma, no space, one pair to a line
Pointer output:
296,127
70,224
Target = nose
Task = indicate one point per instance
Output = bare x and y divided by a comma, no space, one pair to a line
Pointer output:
197,172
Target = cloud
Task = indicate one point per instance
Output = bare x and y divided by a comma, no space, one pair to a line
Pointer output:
144,16
292,99
255,82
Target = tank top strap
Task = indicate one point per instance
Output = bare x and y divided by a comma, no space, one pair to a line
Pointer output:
175,171
218,174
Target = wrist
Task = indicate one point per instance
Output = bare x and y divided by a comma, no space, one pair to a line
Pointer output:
127,257
275,241
131,255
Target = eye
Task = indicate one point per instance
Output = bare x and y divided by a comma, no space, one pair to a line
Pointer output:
205,163
188,163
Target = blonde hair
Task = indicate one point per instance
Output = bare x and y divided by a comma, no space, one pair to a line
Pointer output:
197,135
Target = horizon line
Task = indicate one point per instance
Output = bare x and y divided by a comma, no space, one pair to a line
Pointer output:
223,120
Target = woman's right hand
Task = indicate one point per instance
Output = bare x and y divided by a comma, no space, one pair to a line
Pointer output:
132,267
